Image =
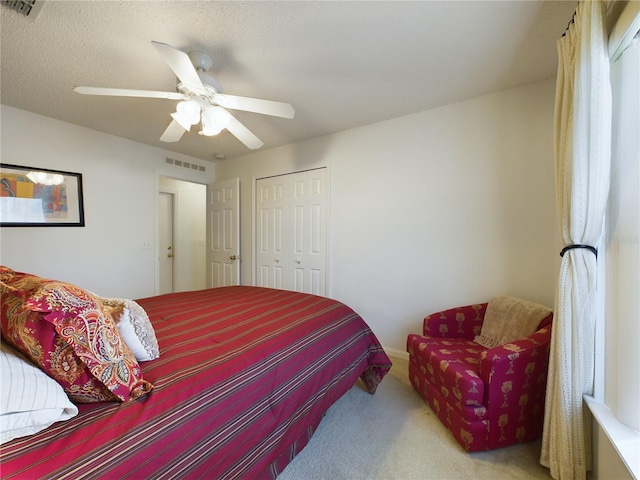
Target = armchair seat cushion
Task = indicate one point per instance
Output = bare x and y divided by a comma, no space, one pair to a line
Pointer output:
453,364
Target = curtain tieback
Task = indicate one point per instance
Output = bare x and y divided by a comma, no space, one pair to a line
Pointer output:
571,247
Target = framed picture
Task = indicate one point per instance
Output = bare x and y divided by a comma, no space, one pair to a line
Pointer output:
38,197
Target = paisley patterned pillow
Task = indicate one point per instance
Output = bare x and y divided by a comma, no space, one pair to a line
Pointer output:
68,333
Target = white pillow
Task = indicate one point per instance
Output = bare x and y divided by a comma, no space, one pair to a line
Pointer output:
135,328
30,400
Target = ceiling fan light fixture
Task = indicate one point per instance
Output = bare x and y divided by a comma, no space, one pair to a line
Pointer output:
214,120
181,121
187,113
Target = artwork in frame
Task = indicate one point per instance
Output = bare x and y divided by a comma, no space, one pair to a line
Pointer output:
38,197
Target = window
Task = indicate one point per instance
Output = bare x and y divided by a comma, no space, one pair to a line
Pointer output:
617,383
622,244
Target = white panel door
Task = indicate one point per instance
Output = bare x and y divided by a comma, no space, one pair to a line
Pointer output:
223,233
291,231
271,235
309,227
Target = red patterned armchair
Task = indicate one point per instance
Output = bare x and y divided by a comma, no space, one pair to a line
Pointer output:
487,396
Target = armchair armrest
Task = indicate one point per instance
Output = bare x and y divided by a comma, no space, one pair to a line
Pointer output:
461,322
516,369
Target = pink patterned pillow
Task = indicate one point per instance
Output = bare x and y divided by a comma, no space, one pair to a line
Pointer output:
70,335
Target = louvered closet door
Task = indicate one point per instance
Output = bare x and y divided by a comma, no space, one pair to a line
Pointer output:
291,232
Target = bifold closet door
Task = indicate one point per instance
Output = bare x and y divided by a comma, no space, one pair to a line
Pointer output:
291,232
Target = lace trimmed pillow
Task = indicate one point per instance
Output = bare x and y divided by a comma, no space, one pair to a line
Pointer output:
134,326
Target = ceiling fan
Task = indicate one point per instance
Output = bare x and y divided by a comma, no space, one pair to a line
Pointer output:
201,99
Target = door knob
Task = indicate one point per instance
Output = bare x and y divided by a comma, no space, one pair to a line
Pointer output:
233,257
170,255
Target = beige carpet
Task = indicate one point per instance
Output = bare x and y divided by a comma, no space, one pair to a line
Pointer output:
395,435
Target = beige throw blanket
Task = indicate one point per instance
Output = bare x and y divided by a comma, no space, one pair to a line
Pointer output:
508,319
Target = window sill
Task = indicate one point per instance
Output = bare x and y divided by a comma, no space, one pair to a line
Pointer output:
625,440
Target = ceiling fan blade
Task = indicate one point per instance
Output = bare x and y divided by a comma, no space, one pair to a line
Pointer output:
243,134
181,65
255,105
122,92
173,133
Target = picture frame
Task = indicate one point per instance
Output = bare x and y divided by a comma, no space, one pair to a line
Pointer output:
40,197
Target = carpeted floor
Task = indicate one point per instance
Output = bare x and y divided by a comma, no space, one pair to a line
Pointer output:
395,435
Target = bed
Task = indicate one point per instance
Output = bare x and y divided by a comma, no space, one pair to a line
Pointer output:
244,377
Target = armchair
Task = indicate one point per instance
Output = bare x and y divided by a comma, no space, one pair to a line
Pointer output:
487,397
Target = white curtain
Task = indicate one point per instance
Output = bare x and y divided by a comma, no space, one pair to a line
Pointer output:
582,144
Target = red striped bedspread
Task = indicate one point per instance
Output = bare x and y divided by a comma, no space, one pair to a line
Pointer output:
244,378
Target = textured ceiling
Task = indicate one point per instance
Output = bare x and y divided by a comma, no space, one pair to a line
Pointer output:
340,64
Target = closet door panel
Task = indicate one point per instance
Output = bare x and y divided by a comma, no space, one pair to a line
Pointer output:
291,231
314,259
271,233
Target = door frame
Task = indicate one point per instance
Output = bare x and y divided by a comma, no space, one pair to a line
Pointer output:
176,235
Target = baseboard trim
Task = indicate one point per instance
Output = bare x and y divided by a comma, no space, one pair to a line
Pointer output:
392,352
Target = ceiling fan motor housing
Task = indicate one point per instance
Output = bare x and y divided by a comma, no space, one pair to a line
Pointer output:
201,61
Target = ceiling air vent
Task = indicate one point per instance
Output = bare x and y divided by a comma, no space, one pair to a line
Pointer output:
180,163
28,8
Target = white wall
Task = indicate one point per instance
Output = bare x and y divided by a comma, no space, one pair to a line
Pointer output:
120,180
438,209
189,233
442,208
